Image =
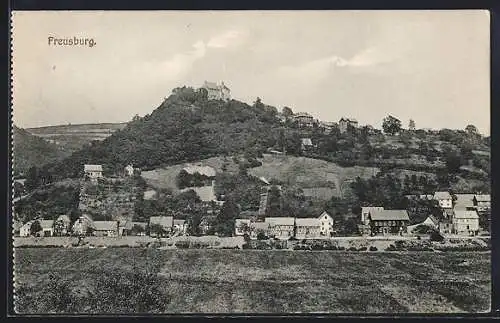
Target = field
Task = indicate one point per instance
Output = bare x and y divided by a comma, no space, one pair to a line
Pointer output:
74,137
245,281
318,177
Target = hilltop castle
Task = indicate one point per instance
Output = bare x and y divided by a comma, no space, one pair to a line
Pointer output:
216,91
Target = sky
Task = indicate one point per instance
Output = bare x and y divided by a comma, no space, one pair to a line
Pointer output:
429,66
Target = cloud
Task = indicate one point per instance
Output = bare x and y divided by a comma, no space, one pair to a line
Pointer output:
229,38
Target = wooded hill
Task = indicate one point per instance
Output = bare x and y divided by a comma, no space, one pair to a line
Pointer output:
30,150
187,127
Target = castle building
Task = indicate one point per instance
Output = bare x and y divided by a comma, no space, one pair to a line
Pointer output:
217,91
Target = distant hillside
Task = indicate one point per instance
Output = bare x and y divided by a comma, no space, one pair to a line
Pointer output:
74,137
30,150
185,127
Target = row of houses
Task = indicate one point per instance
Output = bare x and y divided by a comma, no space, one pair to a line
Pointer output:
304,119
85,226
286,227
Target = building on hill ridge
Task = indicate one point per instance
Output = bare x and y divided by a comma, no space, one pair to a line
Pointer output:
217,91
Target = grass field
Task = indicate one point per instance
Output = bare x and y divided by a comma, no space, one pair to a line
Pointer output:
245,281
318,177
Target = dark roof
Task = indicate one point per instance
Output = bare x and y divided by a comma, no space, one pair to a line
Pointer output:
401,215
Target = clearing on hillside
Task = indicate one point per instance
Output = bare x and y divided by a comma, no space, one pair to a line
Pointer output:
318,178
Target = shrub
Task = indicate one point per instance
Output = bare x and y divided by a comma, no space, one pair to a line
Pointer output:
373,248
352,249
436,236
362,249
390,248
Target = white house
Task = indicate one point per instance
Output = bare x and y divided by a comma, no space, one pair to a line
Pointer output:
466,222
93,171
129,170
25,230
306,143
303,119
217,91
444,199
326,224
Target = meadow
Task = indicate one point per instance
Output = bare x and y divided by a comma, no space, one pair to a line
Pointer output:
136,280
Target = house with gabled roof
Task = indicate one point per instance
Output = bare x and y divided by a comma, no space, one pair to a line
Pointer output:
105,228
165,222
466,222
307,228
326,222
82,225
464,202
365,211
344,124
444,199
388,221
217,91
281,227
482,202
92,172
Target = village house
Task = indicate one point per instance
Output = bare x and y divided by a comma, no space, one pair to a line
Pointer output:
179,226
445,226
344,124
464,202
217,91
327,126
466,222
47,228
82,225
431,221
303,119
482,202
129,170
365,211
25,230
326,222
16,227
306,144
165,223
444,199
307,228
281,227
93,172
388,221
62,225
105,228
124,227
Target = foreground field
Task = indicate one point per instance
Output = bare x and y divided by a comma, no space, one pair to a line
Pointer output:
115,280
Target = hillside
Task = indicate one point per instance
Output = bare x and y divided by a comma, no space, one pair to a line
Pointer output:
316,177
187,127
74,137
30,150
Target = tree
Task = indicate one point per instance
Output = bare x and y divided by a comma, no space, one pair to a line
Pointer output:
391,125
35,228
137,229
471,130
287,112
411,125
225,219
258,103
156,229
274,202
